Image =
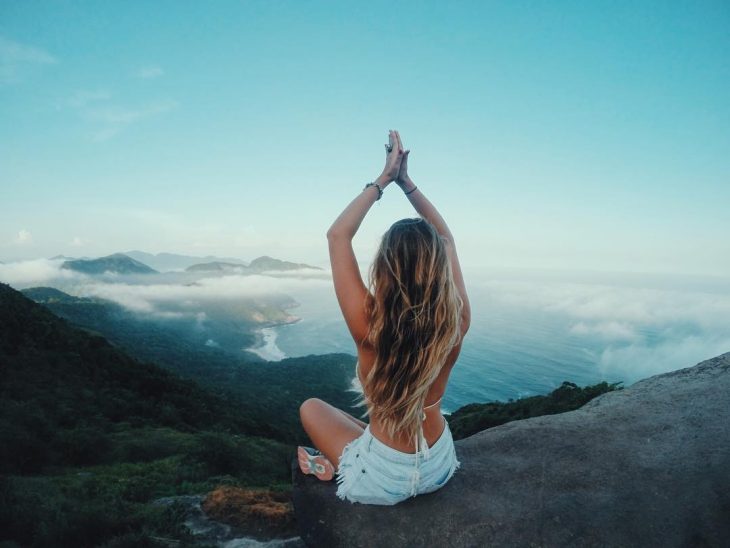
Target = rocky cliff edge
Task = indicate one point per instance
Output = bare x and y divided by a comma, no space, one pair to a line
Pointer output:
645,466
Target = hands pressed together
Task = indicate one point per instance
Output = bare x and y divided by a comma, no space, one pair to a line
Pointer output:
396,162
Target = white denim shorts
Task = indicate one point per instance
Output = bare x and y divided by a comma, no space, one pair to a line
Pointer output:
371,472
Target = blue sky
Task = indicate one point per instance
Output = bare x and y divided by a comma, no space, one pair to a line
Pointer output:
592,135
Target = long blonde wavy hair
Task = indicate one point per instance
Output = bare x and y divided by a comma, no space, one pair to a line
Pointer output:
414,312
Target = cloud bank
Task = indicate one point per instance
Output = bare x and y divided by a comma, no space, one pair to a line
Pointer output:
159,293
154,297
627,332
35,272
640,331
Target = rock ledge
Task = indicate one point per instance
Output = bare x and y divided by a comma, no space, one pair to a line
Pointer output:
645,466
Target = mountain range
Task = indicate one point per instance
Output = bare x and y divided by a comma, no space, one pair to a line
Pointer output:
117,263
260,264
125,264
217,266
164,262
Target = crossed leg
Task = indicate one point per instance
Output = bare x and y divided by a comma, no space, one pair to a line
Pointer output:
329,428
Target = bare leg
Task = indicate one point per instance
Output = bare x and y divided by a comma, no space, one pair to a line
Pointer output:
329,428
357,421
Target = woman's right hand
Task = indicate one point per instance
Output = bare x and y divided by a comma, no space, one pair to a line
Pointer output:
402,178
393,157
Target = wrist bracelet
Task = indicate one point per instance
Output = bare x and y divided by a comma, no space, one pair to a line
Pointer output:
411,190
380,190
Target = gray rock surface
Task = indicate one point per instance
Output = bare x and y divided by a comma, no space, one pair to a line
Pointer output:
645,466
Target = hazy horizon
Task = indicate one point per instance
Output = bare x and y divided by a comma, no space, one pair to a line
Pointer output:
553,137
530,329
558,273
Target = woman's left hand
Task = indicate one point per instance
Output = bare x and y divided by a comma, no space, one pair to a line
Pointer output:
394,157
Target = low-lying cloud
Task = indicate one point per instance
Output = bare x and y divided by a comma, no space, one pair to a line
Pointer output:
640,360
35,272
640,331
156,294
628,331
610,330
153,297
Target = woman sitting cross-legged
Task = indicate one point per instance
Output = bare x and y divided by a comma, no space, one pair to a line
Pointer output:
408,326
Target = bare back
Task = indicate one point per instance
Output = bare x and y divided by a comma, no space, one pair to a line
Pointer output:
433,425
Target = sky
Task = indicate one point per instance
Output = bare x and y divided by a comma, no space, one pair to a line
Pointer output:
550,135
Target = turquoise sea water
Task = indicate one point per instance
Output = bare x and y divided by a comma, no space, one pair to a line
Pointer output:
505,354
530,334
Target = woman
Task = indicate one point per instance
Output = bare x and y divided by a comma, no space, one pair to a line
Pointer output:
408,328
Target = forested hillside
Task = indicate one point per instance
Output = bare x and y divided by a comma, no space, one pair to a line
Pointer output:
89,436
269,393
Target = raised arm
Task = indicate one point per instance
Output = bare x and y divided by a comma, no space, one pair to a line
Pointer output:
429,212
349,286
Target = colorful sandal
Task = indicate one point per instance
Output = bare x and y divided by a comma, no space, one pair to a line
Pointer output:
312,461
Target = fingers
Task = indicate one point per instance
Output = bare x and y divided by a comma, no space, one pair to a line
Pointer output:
395,145
400,143
404,164
392,144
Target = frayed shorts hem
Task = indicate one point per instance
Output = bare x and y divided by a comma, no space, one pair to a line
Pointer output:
371,472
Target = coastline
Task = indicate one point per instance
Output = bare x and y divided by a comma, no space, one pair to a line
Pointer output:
265,346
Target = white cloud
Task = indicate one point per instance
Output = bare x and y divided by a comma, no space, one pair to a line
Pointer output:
610,330
627,332
298,273
17,59
149,72
82,98
24,237
176,297
148,298
112,119
105,134
116,115
628,306
631,331
637,361
22,274
78,242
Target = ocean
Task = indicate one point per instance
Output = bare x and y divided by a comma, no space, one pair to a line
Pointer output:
531,331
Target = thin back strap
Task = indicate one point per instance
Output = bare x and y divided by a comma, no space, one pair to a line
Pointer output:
434,403
423,413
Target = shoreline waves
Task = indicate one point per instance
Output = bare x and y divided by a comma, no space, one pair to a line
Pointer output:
265,346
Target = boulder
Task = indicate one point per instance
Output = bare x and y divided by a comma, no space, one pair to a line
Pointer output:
645,466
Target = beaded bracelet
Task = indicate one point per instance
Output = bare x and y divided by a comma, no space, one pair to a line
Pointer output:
380,190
